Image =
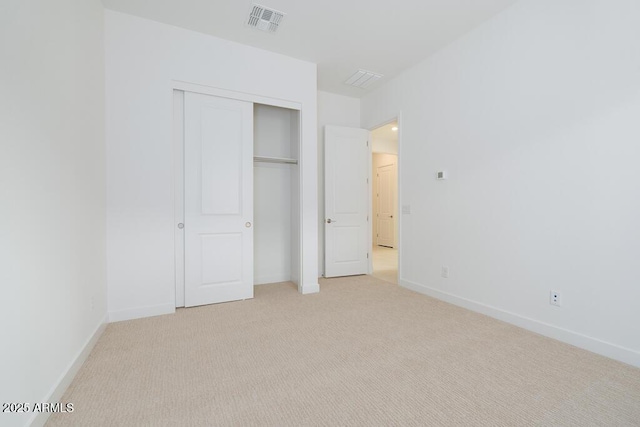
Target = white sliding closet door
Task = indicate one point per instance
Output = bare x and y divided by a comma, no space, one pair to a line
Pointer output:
218,189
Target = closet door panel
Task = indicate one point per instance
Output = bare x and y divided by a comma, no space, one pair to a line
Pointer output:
218,199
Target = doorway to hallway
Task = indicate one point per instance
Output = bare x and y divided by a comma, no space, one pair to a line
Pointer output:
384,201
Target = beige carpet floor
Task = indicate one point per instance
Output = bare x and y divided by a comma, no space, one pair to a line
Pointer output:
361,352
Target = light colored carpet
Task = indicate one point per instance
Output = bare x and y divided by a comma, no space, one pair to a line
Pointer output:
361,352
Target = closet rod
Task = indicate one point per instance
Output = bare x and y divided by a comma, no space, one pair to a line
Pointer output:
275,160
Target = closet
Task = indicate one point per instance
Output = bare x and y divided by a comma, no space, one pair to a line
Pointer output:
237,197
276,141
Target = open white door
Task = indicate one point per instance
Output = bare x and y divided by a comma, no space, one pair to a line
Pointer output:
386,226
346,201
218,195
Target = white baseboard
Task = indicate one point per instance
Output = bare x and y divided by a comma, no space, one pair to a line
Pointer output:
40,418
140,312
310,288
264,280
594,345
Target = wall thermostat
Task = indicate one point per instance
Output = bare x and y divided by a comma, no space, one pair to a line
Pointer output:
441,175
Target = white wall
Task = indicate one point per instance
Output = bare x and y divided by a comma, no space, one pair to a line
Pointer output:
272,217
52,188
535,115
382,145
335,110
142,59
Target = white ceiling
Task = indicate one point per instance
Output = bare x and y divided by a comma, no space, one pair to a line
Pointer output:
341,36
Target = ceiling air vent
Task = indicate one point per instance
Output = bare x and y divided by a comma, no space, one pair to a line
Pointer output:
264,19
363,79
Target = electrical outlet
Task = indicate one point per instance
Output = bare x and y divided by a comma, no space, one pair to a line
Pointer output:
555,298
445,272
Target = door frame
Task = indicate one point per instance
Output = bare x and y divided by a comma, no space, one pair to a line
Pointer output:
395,118
177,90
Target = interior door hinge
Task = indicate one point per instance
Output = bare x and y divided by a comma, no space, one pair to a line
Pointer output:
367,254
367,143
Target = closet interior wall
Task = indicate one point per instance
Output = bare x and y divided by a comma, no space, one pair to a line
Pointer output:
276,195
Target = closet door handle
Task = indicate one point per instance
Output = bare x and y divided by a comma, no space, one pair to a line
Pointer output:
247,224
329,221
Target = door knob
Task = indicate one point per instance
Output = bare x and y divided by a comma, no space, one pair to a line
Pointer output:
247,224
391,216
181,226
329,221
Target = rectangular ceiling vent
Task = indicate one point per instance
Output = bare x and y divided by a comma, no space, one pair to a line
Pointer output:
264,19
363,79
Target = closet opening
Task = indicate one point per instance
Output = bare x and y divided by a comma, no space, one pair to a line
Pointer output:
276,177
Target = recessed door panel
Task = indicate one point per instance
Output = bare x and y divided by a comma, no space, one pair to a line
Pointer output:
347,245
217,266
347,176
222,174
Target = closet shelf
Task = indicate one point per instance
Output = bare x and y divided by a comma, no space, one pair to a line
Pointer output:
275,160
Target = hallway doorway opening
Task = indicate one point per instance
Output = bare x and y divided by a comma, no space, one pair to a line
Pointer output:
384,201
